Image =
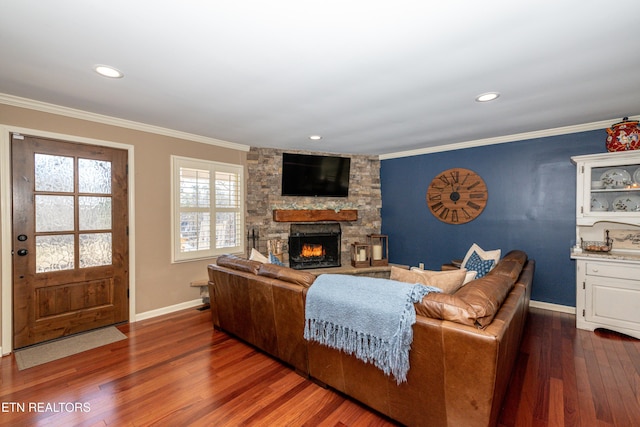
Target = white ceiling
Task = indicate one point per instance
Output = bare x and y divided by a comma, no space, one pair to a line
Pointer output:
370,76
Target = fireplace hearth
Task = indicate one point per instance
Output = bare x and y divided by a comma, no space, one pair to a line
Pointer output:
314,245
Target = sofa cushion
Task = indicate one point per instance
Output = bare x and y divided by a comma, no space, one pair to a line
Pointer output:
477,302
446,307
286,274
511,265
449,281
469,277
237,263
473,304
486,295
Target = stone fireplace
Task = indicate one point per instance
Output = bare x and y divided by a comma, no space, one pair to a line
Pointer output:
314,245
264,197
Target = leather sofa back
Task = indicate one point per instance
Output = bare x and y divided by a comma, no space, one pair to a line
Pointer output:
262,306
477,302
463,349
458,373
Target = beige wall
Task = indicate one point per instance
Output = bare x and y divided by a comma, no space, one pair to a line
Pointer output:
159,283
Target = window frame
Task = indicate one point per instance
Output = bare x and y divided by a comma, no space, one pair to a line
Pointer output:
179,162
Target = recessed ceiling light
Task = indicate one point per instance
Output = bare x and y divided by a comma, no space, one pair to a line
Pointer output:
108,71
486,97
315,137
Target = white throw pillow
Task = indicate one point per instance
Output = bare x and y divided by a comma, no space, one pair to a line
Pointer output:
257,256
471,275
484,255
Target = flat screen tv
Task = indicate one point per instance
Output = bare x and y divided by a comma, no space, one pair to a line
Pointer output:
312,175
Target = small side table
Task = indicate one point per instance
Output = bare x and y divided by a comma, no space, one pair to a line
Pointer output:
454,265
204,289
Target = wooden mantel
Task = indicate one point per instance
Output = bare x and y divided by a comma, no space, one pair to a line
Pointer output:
313,215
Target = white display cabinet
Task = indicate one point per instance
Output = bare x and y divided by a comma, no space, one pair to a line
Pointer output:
608,278
608,187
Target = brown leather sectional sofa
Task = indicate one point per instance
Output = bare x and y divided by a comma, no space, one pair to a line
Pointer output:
464,345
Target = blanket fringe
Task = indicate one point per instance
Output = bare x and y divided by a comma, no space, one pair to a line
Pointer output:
391,357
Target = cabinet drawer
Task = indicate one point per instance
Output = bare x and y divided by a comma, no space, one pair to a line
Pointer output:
620,271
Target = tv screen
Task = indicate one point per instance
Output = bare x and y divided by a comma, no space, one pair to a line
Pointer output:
311,175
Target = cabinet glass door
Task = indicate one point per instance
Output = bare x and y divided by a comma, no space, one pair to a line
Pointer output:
613,190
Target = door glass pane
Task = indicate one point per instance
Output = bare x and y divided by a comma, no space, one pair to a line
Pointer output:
53,173
95,249
54,213
94,176
54,253
94,213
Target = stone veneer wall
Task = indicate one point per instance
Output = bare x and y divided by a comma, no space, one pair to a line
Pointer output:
264,175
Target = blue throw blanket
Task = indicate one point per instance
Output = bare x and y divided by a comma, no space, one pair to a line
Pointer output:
366,317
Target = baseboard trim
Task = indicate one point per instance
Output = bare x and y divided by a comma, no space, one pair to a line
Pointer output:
552,307
167,310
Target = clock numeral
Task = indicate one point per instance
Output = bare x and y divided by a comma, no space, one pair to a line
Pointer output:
455,176
465,179
444,179
437,206
435,197
434,186
476,196
454,215
473,205
466,214
444,213
473,185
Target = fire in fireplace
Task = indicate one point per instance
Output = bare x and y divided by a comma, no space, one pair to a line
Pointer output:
314,245
312,251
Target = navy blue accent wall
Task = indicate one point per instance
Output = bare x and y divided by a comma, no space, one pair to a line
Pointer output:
531,206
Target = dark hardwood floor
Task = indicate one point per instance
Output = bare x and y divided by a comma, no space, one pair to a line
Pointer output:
176,370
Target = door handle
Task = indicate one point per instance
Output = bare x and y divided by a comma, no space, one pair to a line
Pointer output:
22,252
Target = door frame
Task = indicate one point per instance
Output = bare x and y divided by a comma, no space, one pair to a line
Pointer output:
6,268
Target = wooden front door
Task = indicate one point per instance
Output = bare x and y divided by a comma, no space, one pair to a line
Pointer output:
70,244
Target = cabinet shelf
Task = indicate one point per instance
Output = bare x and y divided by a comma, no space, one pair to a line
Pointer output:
614,190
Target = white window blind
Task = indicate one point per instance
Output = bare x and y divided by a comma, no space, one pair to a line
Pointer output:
208,208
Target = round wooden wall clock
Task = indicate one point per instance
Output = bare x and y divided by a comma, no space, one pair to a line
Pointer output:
457,196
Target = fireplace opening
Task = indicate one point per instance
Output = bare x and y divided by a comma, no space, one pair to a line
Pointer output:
312,251
314,245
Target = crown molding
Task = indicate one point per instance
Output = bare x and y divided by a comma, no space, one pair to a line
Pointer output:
31,104
504,139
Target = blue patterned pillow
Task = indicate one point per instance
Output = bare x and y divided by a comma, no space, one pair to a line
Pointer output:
274,259
475,263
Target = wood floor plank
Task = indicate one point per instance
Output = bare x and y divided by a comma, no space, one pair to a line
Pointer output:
584,394
571,416
544,370
599,394
176,370
556,403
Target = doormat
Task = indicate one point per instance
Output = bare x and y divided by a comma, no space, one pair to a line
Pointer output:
54,350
